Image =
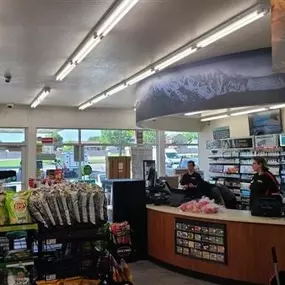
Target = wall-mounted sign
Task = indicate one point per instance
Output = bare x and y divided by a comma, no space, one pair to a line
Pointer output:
230,143
221,133
47,140
242,143
45,156
266,141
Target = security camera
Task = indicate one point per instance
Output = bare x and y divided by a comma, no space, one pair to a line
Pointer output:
10,106
8,77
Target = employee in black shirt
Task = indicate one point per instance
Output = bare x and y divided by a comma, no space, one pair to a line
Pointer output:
190,180
263,182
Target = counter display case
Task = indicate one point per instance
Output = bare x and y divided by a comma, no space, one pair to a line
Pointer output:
201,240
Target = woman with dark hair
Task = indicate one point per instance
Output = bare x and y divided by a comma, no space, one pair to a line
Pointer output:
263,182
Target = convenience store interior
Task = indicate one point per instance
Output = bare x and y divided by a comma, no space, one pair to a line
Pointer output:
79,85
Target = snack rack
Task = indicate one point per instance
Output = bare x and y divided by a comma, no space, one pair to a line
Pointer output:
12,239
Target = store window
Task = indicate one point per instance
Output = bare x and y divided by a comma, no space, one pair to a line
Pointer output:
12,135
11,156
180,147
59,136
58,149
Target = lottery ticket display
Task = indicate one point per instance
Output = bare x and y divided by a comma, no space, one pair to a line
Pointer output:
201,240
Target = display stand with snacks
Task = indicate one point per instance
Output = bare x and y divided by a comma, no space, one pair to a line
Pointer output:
69,243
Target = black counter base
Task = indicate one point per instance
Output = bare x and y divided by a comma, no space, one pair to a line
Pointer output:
198,275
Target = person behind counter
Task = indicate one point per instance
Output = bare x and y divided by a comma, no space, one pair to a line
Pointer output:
190,179
264,182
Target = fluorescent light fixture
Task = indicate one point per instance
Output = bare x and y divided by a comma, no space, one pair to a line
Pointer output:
41,96
86,49
277,106
175,58
116,89
99,98
247,19
249,111
116,15
193,113
63,73
140,76
214,118
85,105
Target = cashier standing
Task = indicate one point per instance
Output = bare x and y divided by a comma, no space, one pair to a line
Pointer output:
264,182
191,178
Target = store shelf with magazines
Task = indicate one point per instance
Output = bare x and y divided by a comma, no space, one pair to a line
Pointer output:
232,166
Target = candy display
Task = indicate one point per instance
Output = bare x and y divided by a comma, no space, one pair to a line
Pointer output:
67,203
204,205
201,240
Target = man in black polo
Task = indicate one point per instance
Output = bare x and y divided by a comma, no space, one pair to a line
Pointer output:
191,179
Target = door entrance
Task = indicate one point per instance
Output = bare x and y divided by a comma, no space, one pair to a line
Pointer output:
11,163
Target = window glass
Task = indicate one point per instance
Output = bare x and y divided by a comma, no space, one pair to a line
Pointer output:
12,135
181,138
111,137
59,136
149,137
180,148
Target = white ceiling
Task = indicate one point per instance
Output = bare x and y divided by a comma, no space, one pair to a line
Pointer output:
37,36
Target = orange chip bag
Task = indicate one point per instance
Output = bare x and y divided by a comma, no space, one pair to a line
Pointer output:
72,281
89,282
52,282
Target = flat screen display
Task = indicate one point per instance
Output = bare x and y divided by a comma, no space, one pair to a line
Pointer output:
265,123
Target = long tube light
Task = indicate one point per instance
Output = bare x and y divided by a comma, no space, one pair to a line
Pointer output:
99,98
277,106
175,58
105,27
214,118
195,45
119,12
86,49
253,16
249,111
41,96
85,105
65,71
140,76
116,89
193,113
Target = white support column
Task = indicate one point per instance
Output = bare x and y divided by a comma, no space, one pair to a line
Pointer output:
160,153
31,153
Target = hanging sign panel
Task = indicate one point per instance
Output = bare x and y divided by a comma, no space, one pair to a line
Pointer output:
278,35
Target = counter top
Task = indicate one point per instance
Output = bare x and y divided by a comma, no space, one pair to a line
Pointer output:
226,215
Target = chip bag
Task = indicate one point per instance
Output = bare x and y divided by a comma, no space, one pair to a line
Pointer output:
3,210
17,207
90,282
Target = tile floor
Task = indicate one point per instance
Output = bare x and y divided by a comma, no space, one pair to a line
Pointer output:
147,273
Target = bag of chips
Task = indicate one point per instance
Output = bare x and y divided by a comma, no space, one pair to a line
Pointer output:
17,207
3,210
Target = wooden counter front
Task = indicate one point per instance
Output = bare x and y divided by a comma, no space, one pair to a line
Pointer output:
249,243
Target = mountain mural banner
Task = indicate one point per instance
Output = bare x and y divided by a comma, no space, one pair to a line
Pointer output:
278,35
229,81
